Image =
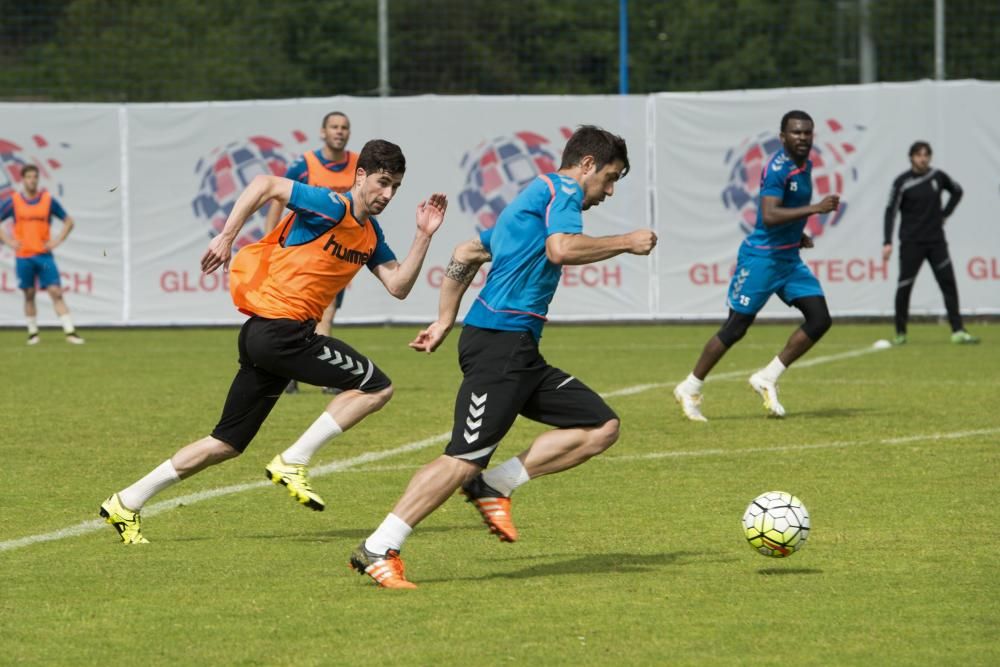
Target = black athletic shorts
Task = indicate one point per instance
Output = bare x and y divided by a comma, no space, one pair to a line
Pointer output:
272,352
505,376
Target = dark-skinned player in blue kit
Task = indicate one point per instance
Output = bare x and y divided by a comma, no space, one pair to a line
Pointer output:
769,263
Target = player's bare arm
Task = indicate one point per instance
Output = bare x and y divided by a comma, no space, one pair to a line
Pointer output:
399,277
274,210
261,189
773,213
67,227
459,274
569,249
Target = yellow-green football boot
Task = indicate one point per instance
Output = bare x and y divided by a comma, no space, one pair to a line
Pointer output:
125,521
293,476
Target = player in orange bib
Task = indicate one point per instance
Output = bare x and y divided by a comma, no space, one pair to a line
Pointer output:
331,166
32,243
283,283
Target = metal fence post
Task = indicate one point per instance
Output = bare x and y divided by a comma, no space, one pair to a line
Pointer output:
623,47
866,45
939,40
383,48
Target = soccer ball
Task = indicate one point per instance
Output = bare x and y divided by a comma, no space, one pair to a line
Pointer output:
776,524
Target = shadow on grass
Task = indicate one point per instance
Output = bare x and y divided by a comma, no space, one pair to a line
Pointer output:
787,571
354,533
820,413
615,563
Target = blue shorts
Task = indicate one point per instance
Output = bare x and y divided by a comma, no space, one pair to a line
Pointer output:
41,267
757,278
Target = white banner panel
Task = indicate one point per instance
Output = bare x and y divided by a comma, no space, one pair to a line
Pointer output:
188,163
709,152
77,151
149,185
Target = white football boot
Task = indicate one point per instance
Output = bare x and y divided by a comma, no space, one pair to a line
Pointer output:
769,392
690,403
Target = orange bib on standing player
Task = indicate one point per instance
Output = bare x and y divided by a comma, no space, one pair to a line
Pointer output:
338,181
299,282
31,224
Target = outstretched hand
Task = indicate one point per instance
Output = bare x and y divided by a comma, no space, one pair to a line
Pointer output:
430,213
220,250
430,338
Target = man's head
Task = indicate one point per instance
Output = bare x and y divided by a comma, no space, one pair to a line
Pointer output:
381,166
797,134
920,156
601,159
29,177
335,131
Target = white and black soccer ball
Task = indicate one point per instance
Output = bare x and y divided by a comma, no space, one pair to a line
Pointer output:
776,524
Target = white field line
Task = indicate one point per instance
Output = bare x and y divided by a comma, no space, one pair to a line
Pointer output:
192,498
368,457
731,375
837,444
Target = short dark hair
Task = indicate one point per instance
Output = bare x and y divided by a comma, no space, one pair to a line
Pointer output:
602,145
920,146
334,113
27,169
381,155
794,114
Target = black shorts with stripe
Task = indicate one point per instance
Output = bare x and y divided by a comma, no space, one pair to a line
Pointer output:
272,352
505,376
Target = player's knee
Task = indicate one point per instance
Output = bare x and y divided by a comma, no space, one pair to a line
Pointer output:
735,328
605,435
947,281
817,325
221,446
378,382
224,451
380,398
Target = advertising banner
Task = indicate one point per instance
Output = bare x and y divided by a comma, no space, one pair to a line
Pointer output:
711,148
150,184
78,154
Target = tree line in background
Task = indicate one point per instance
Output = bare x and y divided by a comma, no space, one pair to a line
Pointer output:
186,50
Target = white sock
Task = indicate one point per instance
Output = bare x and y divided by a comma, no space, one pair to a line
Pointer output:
322,430
507,476
773,370
162,476
693,384
390,535
32,326
67,324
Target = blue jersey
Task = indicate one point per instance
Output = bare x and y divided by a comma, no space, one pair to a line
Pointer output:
317,210
793,185
522,280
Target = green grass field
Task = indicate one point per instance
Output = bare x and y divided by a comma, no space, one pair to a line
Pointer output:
635,558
